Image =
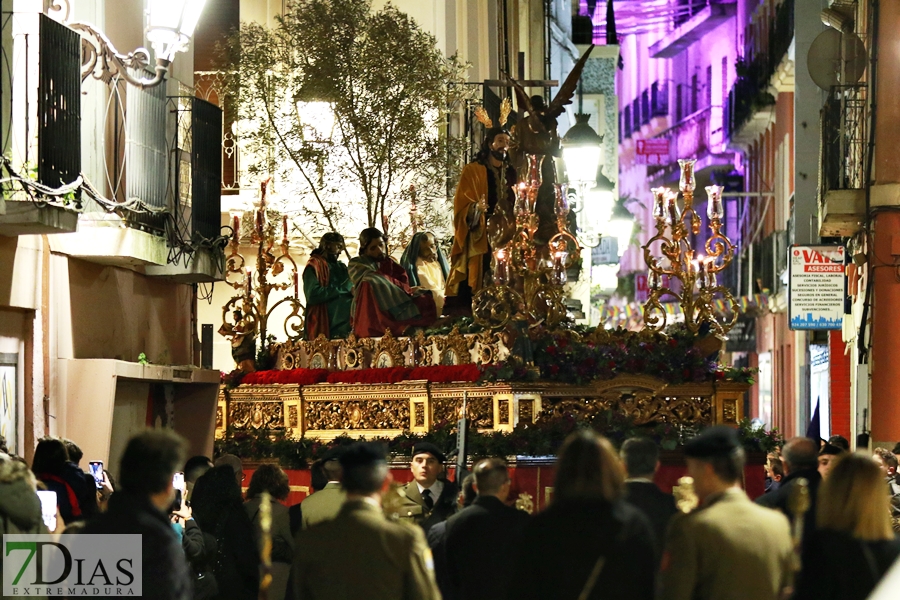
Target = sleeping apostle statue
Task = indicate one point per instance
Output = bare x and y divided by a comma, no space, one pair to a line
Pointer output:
426,266
382,297
329,293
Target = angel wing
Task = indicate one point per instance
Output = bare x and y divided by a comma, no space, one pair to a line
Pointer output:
567,89
483,118
522,99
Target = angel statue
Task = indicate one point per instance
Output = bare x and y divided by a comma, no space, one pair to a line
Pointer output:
536,134
482,213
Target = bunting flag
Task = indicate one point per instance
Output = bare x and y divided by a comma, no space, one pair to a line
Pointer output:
633,313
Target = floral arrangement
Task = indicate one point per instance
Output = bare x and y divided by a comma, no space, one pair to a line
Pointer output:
542,438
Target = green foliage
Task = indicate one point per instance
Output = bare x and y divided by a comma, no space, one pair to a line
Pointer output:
142,359
542,438
390,90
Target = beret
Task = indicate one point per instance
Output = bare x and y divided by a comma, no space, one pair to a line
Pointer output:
714,442
429,448
362,454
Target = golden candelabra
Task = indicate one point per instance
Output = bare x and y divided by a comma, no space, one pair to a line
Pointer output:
696,273
246,315
528,277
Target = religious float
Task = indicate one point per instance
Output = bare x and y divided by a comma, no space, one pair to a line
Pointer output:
518,371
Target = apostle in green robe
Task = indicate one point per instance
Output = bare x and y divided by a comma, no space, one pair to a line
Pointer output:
328,290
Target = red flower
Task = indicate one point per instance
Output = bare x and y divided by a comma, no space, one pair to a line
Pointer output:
551,350
554,369
673,343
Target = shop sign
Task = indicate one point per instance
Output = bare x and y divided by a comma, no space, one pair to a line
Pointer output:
817,287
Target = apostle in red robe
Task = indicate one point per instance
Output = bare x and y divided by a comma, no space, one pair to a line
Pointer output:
382,297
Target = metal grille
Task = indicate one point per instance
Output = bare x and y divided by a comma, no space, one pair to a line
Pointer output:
843,129
206,165
145,151
59,104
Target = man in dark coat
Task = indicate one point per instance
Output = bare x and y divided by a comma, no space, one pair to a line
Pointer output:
641,459
427,500
800,459
146,493
486,533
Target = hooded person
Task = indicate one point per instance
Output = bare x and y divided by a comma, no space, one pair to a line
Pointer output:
483,201
426,266
383,300
328,290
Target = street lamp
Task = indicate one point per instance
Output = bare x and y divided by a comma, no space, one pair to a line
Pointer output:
582,153
170,28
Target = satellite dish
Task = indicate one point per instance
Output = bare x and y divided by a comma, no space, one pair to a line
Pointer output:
824,59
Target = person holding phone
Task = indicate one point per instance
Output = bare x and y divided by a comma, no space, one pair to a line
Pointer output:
20,507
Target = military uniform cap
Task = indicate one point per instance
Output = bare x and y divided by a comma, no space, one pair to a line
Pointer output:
831,449
715,442
362,454
334,453
429,448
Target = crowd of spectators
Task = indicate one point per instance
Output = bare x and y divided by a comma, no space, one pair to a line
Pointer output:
608,532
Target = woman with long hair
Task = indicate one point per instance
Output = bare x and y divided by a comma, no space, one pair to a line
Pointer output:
854,544
588,543
49,467
227,533
272,479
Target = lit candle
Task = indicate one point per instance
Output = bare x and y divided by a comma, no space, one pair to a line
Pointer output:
686,182
559,266
700,267
659,203
284,223
562,200
674,216
714,203
296,285
501,274
711,273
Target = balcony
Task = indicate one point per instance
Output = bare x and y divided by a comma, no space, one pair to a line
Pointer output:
751,101
155,210
695,21
842,176
39,126
688,138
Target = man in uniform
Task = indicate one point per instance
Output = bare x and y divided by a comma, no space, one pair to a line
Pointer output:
325,504
728,548
360,553
427,500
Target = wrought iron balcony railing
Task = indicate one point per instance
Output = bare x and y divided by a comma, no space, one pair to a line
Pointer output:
843,128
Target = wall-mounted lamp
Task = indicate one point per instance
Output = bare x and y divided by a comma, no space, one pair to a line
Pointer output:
169,30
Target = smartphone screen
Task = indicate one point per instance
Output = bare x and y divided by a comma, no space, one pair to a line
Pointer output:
48,508
96,467
178,481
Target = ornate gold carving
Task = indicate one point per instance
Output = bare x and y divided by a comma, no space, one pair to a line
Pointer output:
729,411
257,415
353,350
454,348
368,414
525,502
419,419
422,354
322,348
292,416
503,412
219,415
526,410
391,347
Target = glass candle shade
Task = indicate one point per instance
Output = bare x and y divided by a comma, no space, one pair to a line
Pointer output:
501,267
659,203
562,200
687,183
653,281
714,209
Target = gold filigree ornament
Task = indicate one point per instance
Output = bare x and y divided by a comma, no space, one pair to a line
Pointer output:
389,351
697,273
453,348
525,502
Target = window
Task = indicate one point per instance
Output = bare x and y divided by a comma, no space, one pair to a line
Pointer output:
694,92
626,121
709,85
679,102
724,78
